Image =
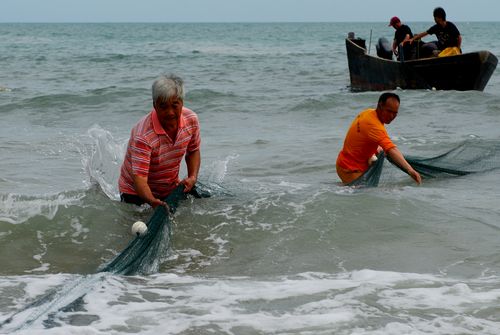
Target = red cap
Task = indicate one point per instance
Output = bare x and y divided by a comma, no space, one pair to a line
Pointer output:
394,20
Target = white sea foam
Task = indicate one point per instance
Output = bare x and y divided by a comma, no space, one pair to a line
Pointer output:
359,302
103,159
218,169
79,231
38,257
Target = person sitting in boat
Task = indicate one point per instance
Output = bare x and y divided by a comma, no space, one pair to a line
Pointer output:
366,137
447,34
158,142
400,45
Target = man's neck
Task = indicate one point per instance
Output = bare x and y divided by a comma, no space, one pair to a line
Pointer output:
171,130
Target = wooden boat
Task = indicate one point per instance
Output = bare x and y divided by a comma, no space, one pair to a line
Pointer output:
468,71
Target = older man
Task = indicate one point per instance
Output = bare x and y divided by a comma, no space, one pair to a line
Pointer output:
366,136
158,142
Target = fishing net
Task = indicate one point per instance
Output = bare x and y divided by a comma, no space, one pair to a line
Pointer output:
372,176
143,254
471,156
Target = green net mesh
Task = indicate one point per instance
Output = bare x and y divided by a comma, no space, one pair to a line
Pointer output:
471,156
372,176
142,255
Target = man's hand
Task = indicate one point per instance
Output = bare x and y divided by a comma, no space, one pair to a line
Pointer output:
188,183
142,188
415,175
157,202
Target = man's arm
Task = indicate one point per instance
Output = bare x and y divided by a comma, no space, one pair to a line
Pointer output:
193,162
397,157
419,36
407,39
142,188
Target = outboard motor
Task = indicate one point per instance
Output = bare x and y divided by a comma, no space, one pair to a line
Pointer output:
384,49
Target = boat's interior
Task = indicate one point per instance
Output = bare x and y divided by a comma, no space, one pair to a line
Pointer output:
384,49
408,52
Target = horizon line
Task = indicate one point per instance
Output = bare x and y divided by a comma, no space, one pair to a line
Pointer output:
235,22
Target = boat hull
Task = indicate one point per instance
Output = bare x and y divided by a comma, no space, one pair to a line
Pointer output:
469,71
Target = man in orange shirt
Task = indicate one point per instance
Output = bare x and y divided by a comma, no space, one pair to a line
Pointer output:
158,142
366,137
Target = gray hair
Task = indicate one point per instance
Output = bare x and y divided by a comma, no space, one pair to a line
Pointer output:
166,87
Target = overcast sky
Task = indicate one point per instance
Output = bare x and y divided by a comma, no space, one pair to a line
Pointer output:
243,10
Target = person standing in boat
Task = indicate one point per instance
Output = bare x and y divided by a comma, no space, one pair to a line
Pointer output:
448,35
158,142
366,137
400,45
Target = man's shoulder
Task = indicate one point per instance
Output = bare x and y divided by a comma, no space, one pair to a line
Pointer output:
432,30
187,112
189,116
369,116
143,126
451,26
368,112
405,27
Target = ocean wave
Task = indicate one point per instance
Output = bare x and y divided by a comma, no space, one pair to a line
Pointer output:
101,159
208,94
113,57
323,103
92,97
17,209
364,302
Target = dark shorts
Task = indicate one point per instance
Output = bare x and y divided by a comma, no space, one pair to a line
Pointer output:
137,200
132,199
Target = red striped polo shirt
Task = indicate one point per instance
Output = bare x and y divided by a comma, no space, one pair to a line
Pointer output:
153,154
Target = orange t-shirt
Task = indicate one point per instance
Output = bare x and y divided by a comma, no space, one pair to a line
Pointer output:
366,133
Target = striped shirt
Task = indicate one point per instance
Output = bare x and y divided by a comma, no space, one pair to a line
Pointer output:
153,154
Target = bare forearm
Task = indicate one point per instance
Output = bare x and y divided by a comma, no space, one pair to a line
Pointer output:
398,158
419,36
193,162
142,188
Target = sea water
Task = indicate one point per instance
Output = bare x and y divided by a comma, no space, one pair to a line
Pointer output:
281,247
